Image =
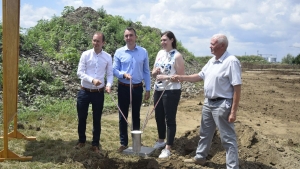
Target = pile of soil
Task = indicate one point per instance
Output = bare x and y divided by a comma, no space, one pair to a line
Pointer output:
267,128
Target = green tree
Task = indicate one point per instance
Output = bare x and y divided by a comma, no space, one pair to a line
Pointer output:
288,59
102,12
65,38
67,10
297,60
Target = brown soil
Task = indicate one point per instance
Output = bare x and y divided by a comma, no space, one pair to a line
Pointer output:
267,128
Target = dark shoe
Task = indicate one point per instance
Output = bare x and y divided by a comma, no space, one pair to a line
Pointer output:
79,145
122,148
193,160
95,149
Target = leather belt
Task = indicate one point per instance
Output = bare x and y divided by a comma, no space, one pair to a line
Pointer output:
93,90
216,99
128,85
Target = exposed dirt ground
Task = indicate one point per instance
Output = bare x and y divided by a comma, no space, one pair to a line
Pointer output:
267,127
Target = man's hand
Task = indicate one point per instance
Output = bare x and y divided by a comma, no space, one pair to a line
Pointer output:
176,78
108,90
126,76
232,117
147,95
96,82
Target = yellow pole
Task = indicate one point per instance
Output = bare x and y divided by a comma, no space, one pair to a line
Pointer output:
11,40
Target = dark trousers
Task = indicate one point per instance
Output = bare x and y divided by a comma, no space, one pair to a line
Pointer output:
124,101
165,113
84,98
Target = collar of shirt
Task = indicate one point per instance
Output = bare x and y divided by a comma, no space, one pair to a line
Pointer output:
98,53
126,47
222,58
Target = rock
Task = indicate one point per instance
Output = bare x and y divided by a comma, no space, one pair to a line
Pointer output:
290,142
20,126
280,149
252,159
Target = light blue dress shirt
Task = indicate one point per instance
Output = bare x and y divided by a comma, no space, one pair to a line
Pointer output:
134,62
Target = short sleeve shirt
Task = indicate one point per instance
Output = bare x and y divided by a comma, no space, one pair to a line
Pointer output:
220,76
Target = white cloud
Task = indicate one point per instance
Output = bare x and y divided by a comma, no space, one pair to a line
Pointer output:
278,34
74,3
165,16
270,26
253,25
249,26
30,15
295,15
297,45
100,3
129,9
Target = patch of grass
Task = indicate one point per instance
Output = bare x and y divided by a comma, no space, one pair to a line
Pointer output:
54,124
47,106
110,101
297,148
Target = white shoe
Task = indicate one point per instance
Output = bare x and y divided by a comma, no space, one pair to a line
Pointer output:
165,153
159,145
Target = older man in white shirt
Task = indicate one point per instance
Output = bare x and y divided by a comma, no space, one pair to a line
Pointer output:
222,90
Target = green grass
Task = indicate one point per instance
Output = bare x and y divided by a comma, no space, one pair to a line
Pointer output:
297,149
53,148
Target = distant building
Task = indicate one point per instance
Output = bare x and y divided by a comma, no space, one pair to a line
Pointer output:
272,59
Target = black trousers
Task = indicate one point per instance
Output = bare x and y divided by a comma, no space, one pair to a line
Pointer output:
165,113
84,98
124,101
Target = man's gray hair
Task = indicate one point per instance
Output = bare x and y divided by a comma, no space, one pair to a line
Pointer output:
221,38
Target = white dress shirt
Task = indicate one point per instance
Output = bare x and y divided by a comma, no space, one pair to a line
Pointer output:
95,66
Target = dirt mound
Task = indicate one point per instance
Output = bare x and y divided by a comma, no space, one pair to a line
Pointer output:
85,16
255,152
267,138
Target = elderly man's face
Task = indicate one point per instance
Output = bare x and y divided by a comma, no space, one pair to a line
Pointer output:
215,47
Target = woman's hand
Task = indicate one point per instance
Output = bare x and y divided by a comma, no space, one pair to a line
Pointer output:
157,70
162,77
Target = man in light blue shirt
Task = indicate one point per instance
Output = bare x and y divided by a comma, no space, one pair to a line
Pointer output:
131,63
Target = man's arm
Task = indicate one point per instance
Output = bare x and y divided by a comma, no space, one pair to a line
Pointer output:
188,78
81,71
146,72
235,102
147,78
116,66
109,75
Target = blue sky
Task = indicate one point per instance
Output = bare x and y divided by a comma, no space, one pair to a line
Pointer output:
268,27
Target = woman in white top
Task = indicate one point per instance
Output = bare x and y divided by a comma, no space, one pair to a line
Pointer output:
168,62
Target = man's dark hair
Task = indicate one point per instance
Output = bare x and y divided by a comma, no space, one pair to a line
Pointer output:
131,29
171,35
100,33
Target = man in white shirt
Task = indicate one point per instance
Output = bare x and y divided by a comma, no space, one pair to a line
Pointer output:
94,64
222,90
